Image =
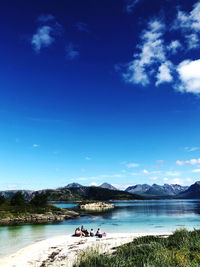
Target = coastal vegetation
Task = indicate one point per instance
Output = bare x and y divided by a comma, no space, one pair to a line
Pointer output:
182,249
18,210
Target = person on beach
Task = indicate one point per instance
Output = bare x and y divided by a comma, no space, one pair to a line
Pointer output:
85,231
78,232
91,232
98,233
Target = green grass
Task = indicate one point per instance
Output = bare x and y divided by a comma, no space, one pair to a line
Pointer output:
182,249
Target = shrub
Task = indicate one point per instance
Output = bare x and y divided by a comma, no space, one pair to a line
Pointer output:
39,200
18,199
2,200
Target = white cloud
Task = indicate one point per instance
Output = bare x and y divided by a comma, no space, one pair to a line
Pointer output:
153,178
130,4
165,179
83,170
145,171
191,149
111,176
42,38
174,46
189,24
151,51
82,27
45,17
71,52
160,161
154,59
81,179
172,173
189,74
121,186
36,145
190,162
46,33
156,172
87,158
177,181
94,184
192,40
132,165
164,73
189,21
196,170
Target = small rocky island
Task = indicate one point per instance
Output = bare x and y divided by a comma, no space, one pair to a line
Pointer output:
95,205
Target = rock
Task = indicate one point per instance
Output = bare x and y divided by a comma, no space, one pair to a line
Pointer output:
96,206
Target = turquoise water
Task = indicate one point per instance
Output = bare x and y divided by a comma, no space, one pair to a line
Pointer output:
150,216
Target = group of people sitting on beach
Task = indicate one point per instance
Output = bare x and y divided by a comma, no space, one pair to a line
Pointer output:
86,233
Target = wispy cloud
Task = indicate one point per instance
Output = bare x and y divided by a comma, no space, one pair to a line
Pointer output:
196,170
145,171
82,27
36,145
189,24
71,52
45,34
45,18
131,165
154,60
160,161
174,46
42,38
100,177
190,162
191,149
177,181
173,173
88,158
151,51
153,178
130,4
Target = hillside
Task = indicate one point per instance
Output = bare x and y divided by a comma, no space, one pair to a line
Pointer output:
90,193
192,192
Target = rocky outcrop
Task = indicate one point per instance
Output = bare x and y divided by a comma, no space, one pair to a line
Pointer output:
96,206
47,217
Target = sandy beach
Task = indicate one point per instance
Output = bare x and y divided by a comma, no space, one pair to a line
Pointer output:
63,250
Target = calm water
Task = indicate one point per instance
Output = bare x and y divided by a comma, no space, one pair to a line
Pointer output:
151,216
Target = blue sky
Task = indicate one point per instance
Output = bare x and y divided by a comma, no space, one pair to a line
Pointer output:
95,91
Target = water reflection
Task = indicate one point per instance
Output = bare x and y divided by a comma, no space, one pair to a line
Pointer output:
151,216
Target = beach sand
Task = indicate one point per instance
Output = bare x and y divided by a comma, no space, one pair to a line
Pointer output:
63,250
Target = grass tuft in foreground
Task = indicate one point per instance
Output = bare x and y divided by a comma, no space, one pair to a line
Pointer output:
182,249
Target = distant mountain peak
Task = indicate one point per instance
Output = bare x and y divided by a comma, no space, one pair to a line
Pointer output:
108,186
74,185
155,190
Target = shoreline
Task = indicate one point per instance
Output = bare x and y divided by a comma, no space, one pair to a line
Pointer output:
63,250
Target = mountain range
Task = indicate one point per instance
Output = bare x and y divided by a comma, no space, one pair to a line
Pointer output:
76,192
106,191
157,191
